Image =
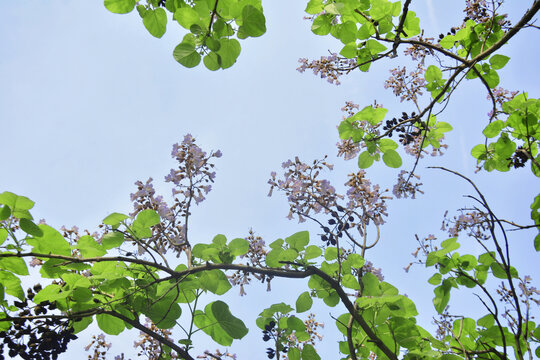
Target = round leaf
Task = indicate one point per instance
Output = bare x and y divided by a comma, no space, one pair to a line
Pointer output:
119,6
392,159
155,22
212,61
186,55
254,23
109,324
365,160
304,302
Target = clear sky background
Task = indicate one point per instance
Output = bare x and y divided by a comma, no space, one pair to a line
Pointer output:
90,102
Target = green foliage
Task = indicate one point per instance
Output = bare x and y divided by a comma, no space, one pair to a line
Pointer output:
210,25
124,274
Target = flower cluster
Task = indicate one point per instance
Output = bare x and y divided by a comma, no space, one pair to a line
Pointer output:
192,182
329,67
404,187
418,52
208,355
348,149
426,246
477,10
365,201
500,96
474,222
194,169
312,328
407,86
101,347
370,268
255,256
151,348
307,194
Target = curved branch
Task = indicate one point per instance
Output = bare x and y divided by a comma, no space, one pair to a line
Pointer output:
183,353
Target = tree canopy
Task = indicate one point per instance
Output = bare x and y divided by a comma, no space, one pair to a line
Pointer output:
143,270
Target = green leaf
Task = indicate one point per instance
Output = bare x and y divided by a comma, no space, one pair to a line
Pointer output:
115,219
30,228
186,17
13,264
448,42
212,61
233,326
498,61
365,31
365,160
435,279
293,353
186,54
112,240
273,257
147,218
239,247
492,78
5,212
298,241
109,324
493,129
392,159
442,296
314,7
11,284
253,21
371,115
304,302
51,292
215,281
356,260
82,294
218,322
119,6
432,74
478,151
288,255
312,252
19,205
89,247
322,24
281,308
498,270
52,242
331,253
3,235
349,281
229,51
349,50
155,22
411,26
309,353
387,144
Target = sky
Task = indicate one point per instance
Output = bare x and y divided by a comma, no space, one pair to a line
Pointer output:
90,102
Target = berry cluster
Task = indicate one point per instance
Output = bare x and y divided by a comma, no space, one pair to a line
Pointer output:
409,131
41,338
451,32
340,222
268,334
519,158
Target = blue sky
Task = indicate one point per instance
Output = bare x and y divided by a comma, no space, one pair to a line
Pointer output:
90,103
